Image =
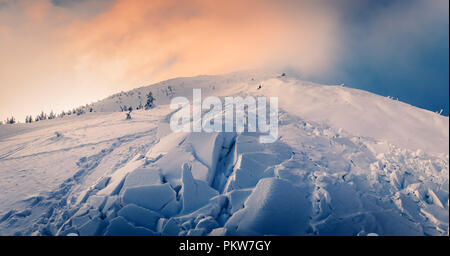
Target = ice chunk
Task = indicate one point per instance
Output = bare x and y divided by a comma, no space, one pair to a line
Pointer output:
213,208
171,162
196,232
237,199
171,209
140,216
249,169
153,197
393,224
111,201
207,149
160,225
142,177
248,143
117,179
92,228
96,202
171,228
201,150
120,227
166,144
218,232
276,207
102,183
195,193
207,223
347,225
79,221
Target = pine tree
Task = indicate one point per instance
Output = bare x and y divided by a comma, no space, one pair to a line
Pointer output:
28,119
42,116
80,111
51,115
150,100
11,120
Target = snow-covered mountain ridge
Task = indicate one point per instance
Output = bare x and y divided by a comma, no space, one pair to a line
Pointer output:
346,162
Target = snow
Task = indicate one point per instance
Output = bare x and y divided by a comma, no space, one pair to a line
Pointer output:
93,227
195,193
140,216
142,177
237,198
170,228
120,227
275,207
153,197
208,223
346,162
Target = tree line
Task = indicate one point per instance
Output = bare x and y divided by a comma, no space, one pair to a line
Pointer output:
150,103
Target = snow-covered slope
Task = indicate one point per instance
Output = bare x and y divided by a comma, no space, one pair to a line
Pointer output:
346,162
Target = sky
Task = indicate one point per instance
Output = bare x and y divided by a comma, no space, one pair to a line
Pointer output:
60,54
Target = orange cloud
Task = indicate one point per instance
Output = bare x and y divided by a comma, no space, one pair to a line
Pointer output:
37,10
159,39
57,57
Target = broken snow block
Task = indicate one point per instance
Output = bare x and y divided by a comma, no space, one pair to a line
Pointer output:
96,202
171,209
187,224
222,219
93,227
200,171
120,227
94,213
347,225
237,199
79,221
218,232
248,143
111,202
196,232
207,223
195,193
153,197
111,214
142,177
171,228
140,216
160,225
102,183
391,223
249,169
214,206
207,148
275,207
